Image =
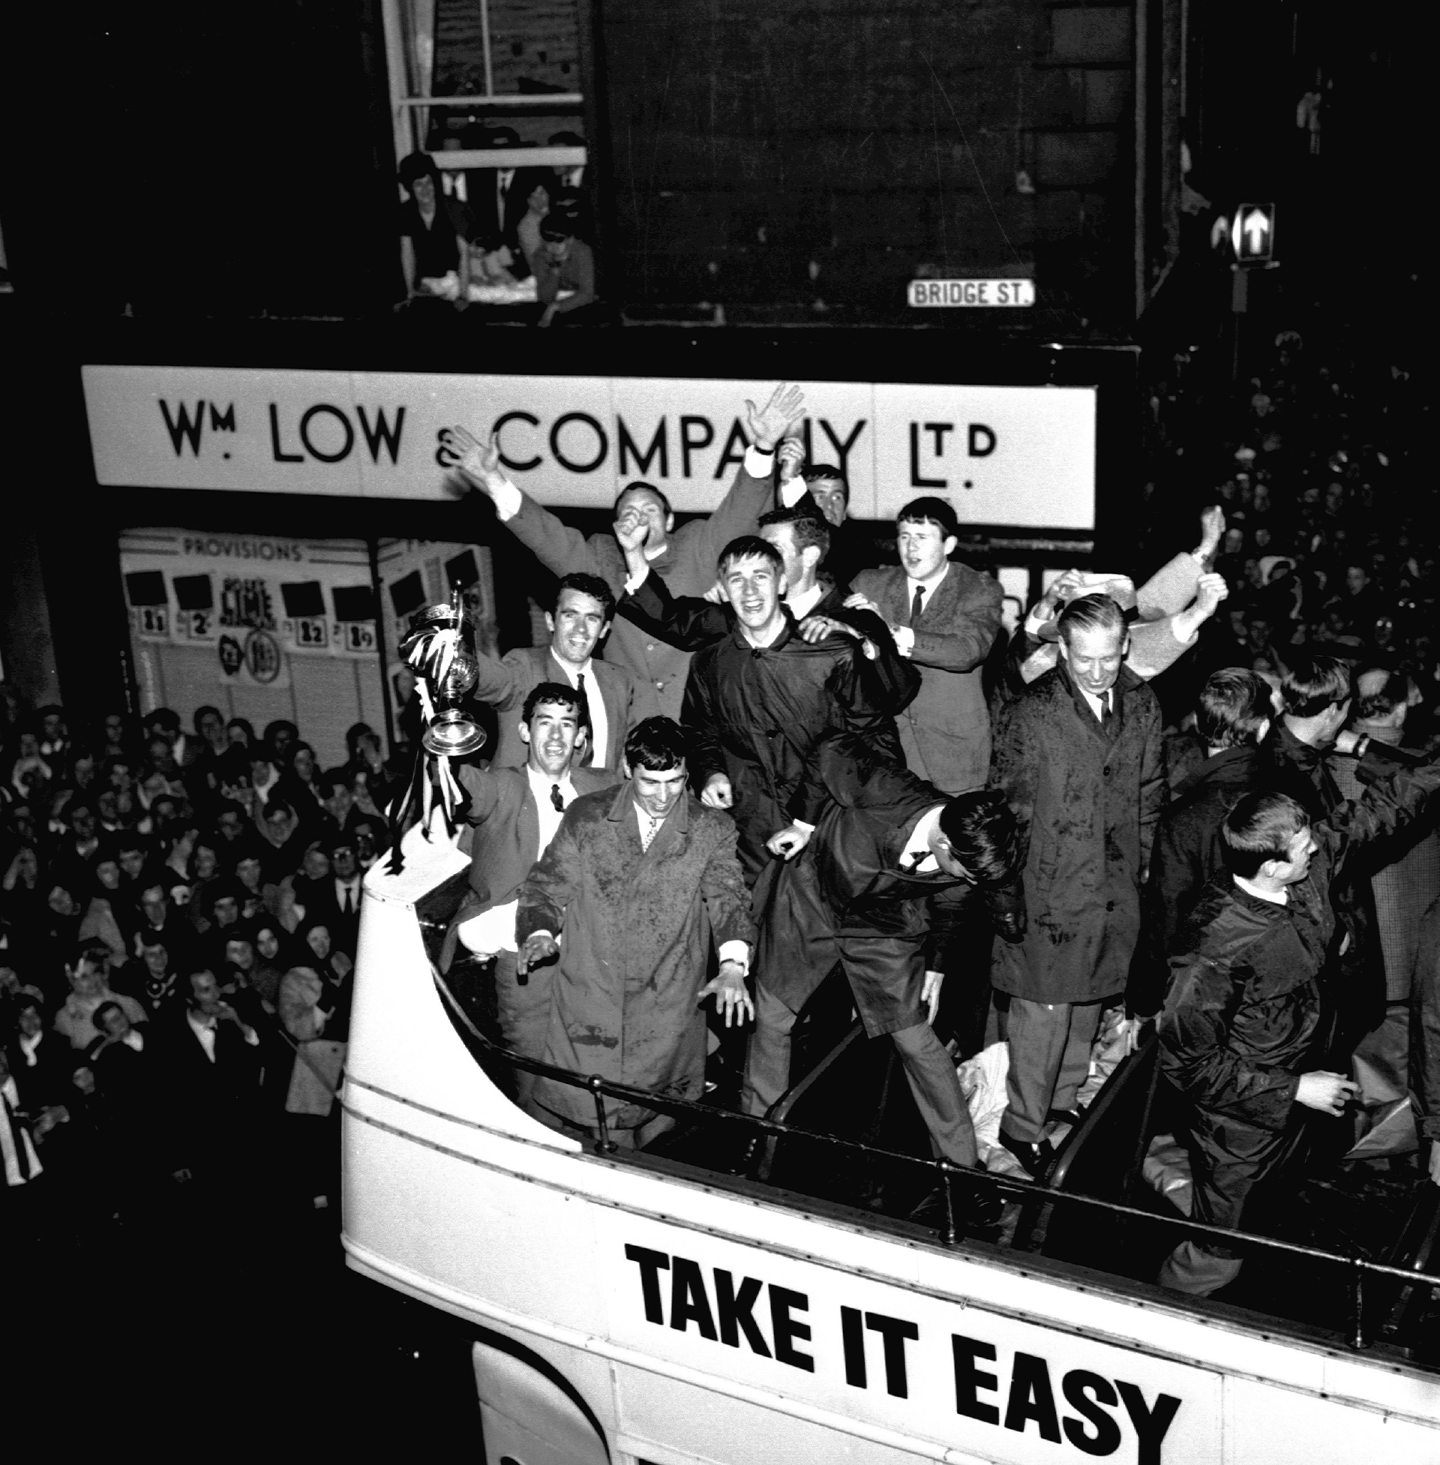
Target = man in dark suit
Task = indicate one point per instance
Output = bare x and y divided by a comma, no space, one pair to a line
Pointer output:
944,617
514,813
211,1073
891,864
613,699
337,900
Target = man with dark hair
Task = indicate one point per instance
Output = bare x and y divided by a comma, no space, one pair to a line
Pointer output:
760,702
613,699
1079,757
887,873
1243,1020
639,882
684,558
851,548
514,813
564,262
1315,694
1233,719
944,616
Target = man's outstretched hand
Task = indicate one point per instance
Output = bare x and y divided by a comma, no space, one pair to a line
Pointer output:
464,452
767,424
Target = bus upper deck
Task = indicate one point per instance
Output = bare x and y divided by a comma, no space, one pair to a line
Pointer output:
672,1305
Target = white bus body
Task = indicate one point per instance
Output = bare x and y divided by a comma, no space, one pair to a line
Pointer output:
626,1311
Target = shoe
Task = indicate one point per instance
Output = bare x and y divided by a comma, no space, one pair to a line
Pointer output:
976,1208
1035,1159
1071,1117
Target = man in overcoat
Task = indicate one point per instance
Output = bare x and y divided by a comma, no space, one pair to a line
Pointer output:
1079,757
629,895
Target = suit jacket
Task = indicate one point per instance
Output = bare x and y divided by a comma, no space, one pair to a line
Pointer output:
687,567
945,731
636,926
507,682
506,841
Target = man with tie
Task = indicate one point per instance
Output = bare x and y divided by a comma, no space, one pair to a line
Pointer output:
613,699
635,886
891,866
944,617
513,814
1079,757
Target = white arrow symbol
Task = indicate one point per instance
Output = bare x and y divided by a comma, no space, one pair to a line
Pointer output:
1255,228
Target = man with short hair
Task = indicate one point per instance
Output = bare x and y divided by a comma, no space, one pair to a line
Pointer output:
885,876
1243,1022
944,616
638,882
851,548
514,813
613,699
1079,757
760,701
683,557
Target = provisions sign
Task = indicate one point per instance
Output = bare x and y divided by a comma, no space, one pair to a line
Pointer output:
971,292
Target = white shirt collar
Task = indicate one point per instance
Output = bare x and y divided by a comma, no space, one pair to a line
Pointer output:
1275,897
930,585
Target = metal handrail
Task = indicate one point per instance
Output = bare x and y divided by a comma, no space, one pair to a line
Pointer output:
601,1088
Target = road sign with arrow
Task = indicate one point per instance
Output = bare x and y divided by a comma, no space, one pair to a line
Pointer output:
1253,233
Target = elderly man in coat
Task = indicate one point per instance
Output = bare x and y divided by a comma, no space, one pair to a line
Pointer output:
633,887
1079,757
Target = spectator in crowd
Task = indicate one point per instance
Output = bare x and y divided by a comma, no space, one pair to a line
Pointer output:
851,549
88,973
434,234
683,557
1404,879
565,270
634,881
1079,758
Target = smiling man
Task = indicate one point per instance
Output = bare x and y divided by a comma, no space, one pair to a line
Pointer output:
638,883
1079,757
944,616
614,699
514,813
762,699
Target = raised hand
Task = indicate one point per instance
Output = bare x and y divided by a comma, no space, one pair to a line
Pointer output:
1210,590
1212,529
789,456
464,452
766,425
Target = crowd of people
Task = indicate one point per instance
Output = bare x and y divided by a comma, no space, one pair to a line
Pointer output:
178,923
911,789
510,237
1188,796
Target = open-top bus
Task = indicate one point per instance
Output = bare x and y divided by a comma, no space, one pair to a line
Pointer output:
679,1304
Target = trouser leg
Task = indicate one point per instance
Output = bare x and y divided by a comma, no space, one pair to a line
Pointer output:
1075,1060
931,1075
1038,1035
767,1060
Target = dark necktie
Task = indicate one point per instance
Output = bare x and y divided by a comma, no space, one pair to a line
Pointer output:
349,906
1106,715
22,1154
580,684
555,797
918,597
